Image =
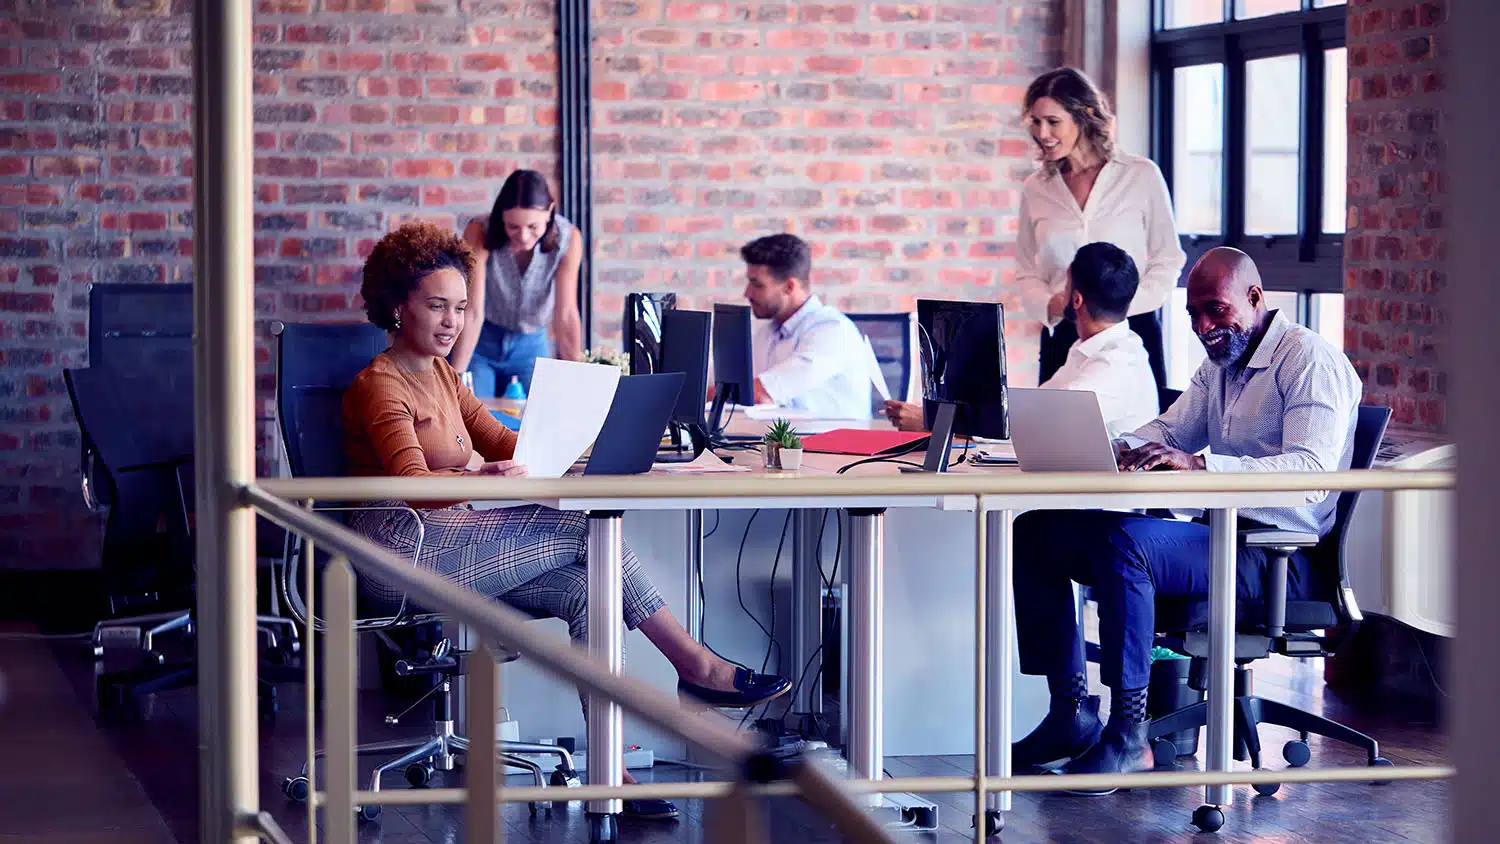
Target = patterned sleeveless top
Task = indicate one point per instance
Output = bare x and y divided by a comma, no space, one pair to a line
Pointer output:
522,302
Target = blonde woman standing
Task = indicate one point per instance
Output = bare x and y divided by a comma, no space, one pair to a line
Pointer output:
1088,191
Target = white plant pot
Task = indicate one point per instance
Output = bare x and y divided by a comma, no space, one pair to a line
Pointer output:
791,459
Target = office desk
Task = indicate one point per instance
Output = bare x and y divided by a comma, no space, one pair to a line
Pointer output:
866,603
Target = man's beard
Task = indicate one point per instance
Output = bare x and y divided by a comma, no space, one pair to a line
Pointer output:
1070,313
1231,350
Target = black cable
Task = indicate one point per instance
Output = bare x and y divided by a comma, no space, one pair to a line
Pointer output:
815,690
868,460
771,642
823,580
712,530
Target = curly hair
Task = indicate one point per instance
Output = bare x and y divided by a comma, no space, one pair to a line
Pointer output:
1082,99
400,261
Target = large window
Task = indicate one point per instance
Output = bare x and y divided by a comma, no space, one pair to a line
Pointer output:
1250,132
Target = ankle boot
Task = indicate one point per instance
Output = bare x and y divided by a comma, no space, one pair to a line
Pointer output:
1122,749
1071,727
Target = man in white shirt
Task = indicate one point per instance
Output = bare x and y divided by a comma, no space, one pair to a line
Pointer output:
1273,396
1109,359
808,356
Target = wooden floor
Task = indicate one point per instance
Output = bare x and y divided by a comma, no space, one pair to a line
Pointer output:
71,780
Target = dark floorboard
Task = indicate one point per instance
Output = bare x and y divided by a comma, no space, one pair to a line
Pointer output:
138,783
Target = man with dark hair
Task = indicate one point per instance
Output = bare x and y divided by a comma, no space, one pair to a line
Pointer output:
1108,360
808,356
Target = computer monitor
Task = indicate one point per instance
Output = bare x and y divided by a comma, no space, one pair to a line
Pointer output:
684,348
962,349
642,330
734,370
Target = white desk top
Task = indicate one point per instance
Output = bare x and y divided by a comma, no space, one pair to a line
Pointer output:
825,465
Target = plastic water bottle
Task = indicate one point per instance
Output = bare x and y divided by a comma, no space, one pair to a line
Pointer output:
514,391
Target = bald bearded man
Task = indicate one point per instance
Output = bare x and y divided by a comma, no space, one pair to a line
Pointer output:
1273,396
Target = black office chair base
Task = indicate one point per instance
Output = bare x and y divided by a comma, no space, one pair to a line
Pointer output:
1249,713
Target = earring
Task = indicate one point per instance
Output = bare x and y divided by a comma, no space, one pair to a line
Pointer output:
398,320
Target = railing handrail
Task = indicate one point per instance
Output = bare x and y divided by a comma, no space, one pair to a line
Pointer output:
484,487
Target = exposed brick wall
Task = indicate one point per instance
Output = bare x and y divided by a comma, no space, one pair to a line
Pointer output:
1396,247
368,113
888,135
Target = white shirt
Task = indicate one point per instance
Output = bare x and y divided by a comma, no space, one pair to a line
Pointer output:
814,362
1292,408
1129,206
1114,366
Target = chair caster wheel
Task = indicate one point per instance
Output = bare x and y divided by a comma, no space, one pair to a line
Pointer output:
1266,789
1208,818
1164,754
1381,762
1296,753
603,828
418,774
296,789
564,778
369,813
994,822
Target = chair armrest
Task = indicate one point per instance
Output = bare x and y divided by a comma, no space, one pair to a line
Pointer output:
1278,539
290,588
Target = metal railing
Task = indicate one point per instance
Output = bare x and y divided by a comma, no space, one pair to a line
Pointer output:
495,623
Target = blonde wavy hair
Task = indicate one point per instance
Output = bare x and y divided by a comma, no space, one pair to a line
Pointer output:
1084,102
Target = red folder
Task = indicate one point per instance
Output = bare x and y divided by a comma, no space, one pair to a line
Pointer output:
861,441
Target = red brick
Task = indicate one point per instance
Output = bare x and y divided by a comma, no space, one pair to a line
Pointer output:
426,114
900,66
422,168
30,83
486,63
834,64
797,39
728,92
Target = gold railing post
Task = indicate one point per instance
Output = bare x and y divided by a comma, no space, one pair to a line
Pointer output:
482,813
339,682
224,435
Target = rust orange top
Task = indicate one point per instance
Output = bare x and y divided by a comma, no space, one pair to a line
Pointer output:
415,424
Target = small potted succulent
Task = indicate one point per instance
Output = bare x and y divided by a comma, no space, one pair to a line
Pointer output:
783,447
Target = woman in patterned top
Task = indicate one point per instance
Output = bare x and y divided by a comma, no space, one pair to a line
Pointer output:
407,415
525,287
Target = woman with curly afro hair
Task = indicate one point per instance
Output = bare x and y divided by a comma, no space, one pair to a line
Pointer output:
407,415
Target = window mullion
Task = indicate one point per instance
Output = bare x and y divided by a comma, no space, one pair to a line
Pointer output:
1234,142
1312,157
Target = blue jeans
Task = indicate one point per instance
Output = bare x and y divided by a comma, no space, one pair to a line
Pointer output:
1127,560
502,354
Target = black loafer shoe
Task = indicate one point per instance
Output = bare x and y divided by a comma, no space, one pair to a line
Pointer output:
750,689
651,810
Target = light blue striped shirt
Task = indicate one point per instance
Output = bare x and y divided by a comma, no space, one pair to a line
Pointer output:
1292,408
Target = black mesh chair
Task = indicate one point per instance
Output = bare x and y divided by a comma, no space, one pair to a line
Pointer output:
315,365
1294,628
143,461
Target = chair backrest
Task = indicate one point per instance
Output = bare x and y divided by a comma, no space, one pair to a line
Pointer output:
1369,430
315,363
1166,397
105,416
891,338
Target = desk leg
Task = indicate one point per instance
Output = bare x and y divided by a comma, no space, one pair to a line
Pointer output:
606,648
1221,525
1000,650
694,615
807,607
867,648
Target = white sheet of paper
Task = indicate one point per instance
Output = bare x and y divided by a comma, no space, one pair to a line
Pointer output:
564,413
705,463
877,378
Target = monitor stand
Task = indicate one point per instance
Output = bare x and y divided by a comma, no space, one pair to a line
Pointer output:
940,441
697,438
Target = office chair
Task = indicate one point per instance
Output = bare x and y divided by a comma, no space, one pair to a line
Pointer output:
315,365
1276,625
148,473
891,338
1166,397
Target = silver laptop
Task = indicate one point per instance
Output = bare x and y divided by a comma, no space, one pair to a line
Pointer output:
1059,431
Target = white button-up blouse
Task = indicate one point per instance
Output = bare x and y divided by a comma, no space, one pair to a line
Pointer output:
1129,206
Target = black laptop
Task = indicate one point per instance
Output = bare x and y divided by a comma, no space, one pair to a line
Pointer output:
632,431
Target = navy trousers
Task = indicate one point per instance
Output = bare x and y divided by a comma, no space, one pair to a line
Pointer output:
1127,560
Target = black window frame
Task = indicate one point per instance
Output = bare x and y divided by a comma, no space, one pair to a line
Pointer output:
1310,260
